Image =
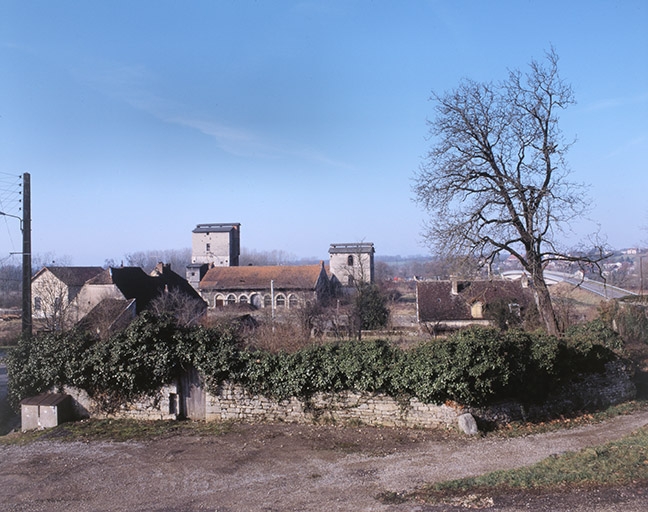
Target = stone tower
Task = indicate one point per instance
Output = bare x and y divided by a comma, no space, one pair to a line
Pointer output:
213,245
351,263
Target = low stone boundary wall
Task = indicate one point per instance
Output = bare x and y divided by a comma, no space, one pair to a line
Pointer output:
592,391
233,402
163,406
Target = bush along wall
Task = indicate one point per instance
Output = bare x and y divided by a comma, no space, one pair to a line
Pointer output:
475,367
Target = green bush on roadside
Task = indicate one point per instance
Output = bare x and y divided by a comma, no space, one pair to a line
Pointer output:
476,366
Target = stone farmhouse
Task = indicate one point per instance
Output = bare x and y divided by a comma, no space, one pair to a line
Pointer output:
454,304
64,296
215,274
261,287
55,293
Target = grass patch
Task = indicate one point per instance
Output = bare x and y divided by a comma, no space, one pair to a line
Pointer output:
617,463
118,430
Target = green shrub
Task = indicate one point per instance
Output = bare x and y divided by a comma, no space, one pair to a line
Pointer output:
474,367
49,360
587,348
629,318
370,307
135,362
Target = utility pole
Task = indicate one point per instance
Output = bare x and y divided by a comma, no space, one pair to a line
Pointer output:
641,286
26,262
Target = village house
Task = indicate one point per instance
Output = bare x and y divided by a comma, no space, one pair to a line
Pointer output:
133,283
55,294
454,304
64,296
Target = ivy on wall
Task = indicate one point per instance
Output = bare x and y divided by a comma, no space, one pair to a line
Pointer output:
472,367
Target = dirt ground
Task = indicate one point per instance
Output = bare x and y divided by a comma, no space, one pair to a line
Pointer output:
292,468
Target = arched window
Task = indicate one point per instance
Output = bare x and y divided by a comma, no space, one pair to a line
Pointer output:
350,260
219,300
293,301
243,299
231,299
281,301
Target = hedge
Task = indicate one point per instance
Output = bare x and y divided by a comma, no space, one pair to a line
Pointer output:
476,366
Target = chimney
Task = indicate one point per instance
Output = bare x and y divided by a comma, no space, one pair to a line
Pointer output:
455,285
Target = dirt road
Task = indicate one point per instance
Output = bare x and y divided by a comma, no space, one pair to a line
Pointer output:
289,467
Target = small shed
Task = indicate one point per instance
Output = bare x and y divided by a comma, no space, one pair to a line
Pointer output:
45,411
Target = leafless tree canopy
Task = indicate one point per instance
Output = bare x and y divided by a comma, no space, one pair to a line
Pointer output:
185,309
495,178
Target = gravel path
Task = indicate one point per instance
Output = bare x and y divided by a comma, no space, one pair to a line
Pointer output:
289,467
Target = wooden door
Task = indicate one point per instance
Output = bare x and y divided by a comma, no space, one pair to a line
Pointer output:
192,395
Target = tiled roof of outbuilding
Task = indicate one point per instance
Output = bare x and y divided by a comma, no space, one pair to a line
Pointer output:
302,277
436,302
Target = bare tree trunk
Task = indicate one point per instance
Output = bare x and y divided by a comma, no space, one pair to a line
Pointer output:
544,304
541,292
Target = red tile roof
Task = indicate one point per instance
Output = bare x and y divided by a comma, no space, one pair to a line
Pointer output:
302,277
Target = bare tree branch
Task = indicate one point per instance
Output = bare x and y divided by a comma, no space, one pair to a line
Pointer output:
495,178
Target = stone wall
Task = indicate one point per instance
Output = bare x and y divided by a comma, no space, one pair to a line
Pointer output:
163,406
232,402
592,391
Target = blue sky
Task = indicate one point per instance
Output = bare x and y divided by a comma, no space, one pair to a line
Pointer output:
302,120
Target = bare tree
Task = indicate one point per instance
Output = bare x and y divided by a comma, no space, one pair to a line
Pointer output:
262,258
52,304
147,260
185,309
495,179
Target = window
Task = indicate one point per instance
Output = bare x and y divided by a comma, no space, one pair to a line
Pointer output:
207,247
350,260
243,299
281,301
231,299
350,281
293,302
37,304
267,301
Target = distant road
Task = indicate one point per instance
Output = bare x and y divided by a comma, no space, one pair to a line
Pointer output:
602,289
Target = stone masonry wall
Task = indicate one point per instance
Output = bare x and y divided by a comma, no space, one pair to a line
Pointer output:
233,402
163,406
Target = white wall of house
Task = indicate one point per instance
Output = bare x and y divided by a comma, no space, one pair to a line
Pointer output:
92,294
49,295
